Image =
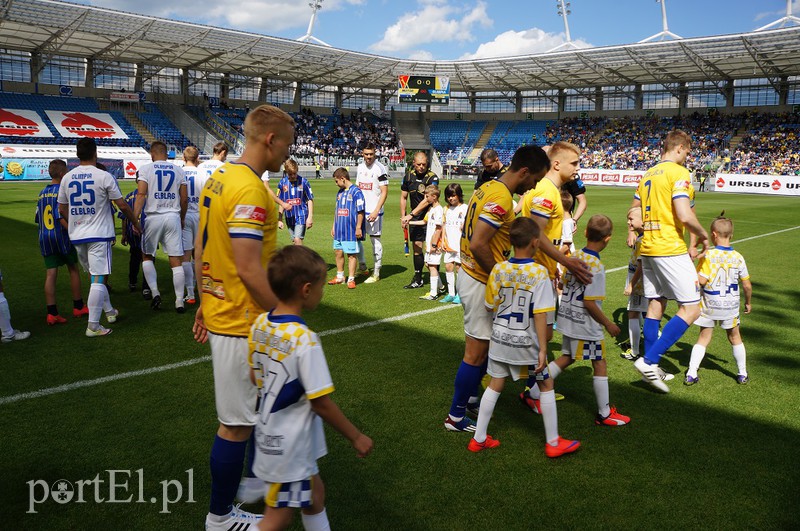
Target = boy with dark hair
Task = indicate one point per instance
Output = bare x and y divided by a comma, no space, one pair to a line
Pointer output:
294,382
348,227
581,320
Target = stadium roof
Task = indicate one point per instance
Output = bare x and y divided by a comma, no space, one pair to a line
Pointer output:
54,28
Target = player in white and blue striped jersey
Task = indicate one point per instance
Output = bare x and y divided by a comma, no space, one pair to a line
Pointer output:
348,227
56,247
294,190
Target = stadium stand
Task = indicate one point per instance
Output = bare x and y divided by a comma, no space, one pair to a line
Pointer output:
41,103
162,128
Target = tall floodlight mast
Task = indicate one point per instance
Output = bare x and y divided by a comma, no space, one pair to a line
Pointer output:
785,22
564,11
665,34
315,6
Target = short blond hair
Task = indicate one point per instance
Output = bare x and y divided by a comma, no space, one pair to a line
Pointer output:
432,189
676,138
559,147
264,119
191,154
290,166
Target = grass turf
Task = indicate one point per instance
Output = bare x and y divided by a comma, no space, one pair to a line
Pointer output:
713,455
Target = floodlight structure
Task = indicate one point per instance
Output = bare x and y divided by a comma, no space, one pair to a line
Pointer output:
785,22
315,6
563,12
665,34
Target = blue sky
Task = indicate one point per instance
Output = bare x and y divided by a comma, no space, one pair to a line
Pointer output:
459,29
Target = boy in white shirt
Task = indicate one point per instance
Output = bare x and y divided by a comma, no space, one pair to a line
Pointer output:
289,367
719,272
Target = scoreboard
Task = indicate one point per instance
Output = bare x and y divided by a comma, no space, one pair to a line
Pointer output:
428,90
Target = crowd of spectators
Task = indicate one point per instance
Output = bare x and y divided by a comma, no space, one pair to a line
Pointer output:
343,135
770,145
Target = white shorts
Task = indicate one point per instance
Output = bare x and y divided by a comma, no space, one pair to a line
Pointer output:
452,257
374,228
433,258
501,369
583,349
638,303
477,321
190,224
95,257
670,277
725,324
235,394
166,230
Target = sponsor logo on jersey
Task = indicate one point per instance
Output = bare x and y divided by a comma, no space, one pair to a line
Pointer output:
294,201
259,214
543,202
683,185
494,208
286,188
343,212
365,186
243,211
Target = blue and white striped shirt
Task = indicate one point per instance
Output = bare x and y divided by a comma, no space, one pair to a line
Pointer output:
348,204
297,194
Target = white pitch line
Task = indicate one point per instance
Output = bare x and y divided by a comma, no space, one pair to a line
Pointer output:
152,370
736,241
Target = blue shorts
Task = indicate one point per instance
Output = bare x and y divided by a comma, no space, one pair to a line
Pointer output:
296,230
349,247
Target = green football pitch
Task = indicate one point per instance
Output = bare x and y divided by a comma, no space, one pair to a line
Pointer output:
127,421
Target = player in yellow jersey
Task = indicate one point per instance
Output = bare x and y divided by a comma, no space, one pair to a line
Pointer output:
485,241
666,195
543,205
237,233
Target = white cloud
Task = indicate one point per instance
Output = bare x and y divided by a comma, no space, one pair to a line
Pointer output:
254,15
437,21
421,55
779,14
530,41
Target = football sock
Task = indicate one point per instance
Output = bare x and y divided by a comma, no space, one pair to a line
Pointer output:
251,455
95,303
634,331
467,378
52,309
5,317
740,355
106,300
316,522
377,248
227,458
488,402
351,279
188,275
178,283
553,369
149,270
672,332
340,274
650,329
600,384
434,284
78,304
533,388
698,351
419,263
547,406
451,282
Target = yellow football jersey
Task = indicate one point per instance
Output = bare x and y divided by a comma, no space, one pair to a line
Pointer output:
491,203
663,231
544,201
723,268
233,204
